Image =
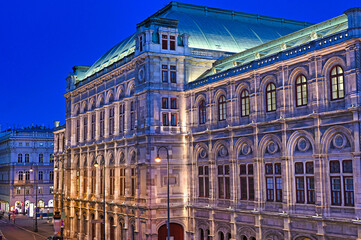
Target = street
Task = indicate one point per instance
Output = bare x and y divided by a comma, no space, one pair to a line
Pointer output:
23,229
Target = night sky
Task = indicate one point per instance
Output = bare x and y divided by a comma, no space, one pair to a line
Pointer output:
42,40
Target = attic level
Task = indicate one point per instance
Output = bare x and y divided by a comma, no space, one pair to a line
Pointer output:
159,35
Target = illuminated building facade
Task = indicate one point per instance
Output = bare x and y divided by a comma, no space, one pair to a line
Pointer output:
262,131
26,163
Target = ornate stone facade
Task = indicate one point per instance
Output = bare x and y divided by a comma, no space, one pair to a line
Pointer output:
263,144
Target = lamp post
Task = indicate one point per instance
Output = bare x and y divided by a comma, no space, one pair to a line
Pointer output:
62,191
24,191
96,164
36,200
158,160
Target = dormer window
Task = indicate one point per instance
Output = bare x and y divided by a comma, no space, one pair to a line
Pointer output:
168,41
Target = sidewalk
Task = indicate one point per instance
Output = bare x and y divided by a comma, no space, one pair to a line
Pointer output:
45,227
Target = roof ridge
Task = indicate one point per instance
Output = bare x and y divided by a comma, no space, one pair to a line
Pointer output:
175,4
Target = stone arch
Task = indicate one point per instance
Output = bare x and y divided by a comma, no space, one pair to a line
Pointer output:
222,227
266,80
331,132
121,156
130,88
199,98
295,73
240,144
100,100
273,235
217,95
110,158
91,103
246,231
293,139
83,107
198,148
217,147
119,93
132,155
265,141
303,237
109,97
76,109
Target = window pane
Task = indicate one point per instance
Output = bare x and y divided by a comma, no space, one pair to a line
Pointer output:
334,166
347,166
299,168
309,167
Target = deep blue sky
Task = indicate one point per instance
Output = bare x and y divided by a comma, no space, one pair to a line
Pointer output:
42,40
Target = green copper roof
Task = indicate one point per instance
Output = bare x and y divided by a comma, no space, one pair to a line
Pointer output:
210,29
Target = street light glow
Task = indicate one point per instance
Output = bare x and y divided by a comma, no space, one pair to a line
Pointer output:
157,159
96,164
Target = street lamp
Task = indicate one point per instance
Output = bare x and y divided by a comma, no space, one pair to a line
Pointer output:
24,191
36,201
96,164
158,160
62,190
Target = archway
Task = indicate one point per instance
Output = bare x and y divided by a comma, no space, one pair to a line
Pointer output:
111,228
176,231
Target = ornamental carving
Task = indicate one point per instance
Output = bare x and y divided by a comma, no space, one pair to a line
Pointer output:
339,141
303,144
203,153
222,152
272,147
245,149
121,157
141,75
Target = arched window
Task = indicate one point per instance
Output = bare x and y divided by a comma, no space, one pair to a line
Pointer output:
201,234
337,83
301,91
20,158
220,235
271,97
244,103
222,108
202,112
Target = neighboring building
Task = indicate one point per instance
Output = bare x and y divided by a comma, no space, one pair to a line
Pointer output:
263,144
24,154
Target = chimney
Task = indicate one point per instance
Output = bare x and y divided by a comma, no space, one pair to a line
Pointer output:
56,123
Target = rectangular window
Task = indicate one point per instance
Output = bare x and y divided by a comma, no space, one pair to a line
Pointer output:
41,158
165,42
164,73
133,181
224,182
244,188
40,190
85,128
311,198
173,103
203,177
122,182
173,119
27,158
278,189
165,119
121,118
93,126
77,182
111,121
173,74
132,115
270,189
165,103
246,182
41,175
18,190
349,191
172,42
51,190
141,43
85,182
300,190
112,181
93,182
347,166
51,175
336,190
102,116
77,137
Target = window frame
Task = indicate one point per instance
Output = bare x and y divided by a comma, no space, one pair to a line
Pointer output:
222,108
338,76
271,97
303,93
244,103
202,112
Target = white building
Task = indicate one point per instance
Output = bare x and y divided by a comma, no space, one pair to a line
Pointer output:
26,162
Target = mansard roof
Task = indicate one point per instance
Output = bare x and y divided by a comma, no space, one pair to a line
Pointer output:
210,29
309,39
